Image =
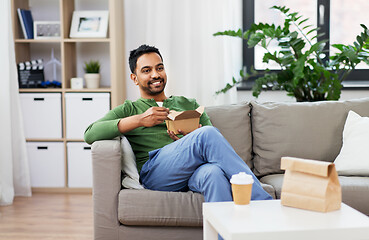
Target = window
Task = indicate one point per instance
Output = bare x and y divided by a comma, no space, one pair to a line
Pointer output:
339,20
345,25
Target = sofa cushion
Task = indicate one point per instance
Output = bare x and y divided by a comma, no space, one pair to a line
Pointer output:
159,208
269,189
233,121
354,156
129,167
156,208
355,190
303,130
275,180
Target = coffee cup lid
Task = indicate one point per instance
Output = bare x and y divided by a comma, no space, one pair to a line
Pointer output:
242,178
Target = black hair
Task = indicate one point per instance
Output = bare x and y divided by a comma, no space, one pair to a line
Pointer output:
138,52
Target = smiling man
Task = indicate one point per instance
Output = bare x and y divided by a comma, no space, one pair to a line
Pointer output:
202,161
150,79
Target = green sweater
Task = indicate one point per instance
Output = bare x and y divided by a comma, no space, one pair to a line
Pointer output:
142,139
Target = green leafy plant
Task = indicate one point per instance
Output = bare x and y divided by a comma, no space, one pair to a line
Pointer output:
92,67
304,74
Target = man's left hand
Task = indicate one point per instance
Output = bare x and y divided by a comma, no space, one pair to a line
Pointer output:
173,136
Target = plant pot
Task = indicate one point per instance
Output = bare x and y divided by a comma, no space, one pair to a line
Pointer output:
92,80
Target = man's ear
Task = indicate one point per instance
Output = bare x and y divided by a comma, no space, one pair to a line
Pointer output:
134,78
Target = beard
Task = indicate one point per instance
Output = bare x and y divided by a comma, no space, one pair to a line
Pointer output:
153,90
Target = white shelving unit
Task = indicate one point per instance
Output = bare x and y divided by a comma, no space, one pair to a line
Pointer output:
72,53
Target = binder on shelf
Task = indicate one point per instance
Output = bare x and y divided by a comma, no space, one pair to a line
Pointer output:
26,22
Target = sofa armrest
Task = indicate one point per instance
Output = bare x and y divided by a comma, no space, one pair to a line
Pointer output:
106,168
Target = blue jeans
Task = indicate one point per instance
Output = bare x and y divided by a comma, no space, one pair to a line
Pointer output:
202,161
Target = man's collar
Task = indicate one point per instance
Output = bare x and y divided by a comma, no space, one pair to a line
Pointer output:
152,99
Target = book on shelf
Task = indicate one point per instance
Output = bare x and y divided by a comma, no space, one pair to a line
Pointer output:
26,22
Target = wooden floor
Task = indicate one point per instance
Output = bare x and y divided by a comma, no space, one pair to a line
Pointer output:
48,216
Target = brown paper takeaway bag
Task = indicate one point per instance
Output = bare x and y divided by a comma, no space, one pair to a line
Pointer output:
310,184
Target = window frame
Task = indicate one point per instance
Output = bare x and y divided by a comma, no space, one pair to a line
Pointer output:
358,78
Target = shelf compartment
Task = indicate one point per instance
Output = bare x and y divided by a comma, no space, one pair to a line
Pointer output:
94,40
44,140
79,165
82,109
40,90
88,90
42,115
46,164
56,40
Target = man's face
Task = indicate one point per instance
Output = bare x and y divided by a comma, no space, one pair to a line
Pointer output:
150,74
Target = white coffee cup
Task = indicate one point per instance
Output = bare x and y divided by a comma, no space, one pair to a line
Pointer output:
241,188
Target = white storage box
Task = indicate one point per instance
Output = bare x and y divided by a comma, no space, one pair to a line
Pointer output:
46,160
79,165
42,115
82,109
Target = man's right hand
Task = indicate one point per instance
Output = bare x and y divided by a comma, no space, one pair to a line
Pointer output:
153,116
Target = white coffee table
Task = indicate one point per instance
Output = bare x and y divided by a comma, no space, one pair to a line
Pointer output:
270,220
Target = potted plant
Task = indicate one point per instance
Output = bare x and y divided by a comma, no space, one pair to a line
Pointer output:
303,72
92,74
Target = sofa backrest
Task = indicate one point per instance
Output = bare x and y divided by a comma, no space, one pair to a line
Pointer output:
233,121
305,130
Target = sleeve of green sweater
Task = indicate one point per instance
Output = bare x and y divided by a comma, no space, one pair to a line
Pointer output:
106,128
204,119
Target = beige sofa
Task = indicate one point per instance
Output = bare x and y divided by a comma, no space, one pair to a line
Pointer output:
260,133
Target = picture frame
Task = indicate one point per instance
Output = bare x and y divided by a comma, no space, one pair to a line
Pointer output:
46,29
89,24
